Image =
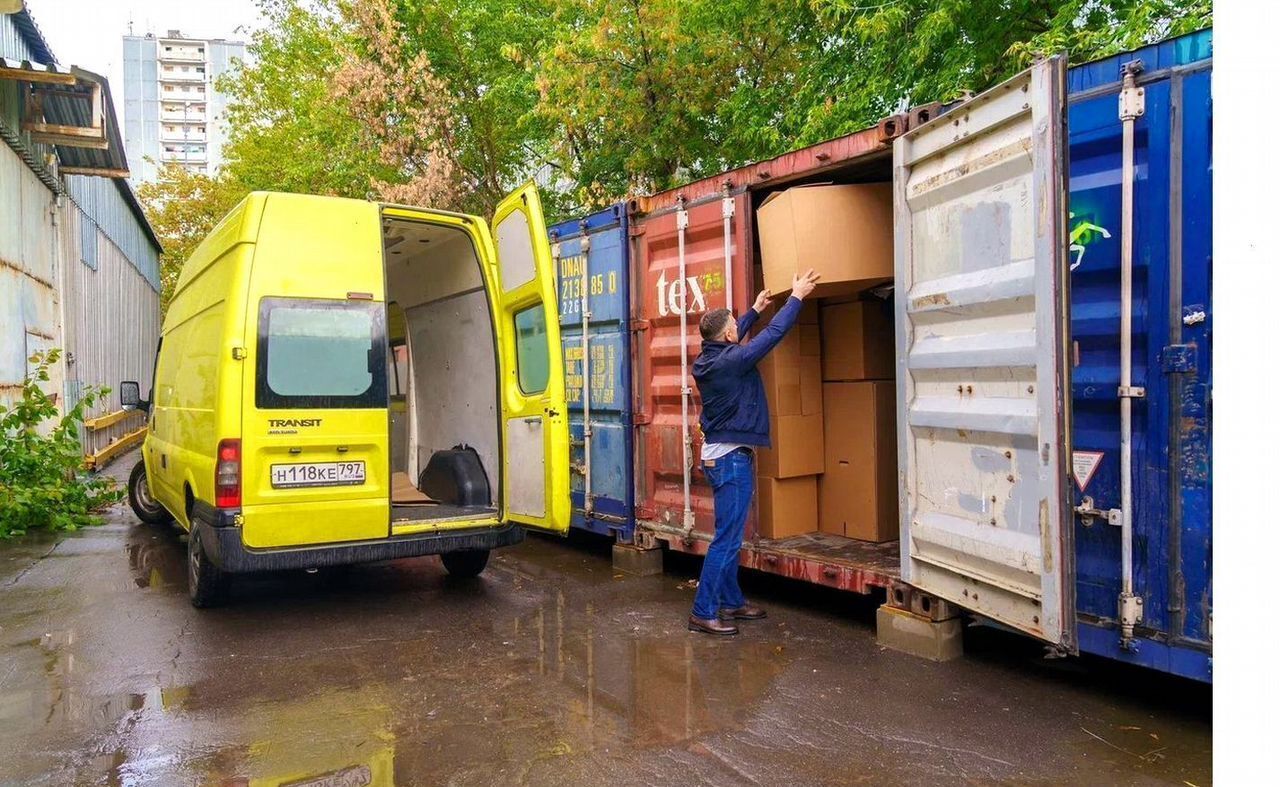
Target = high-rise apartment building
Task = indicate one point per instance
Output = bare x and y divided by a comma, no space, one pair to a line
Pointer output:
172,112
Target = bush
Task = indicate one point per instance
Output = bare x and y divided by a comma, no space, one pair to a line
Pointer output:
42,480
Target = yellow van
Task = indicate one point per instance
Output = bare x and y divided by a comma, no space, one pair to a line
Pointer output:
341,381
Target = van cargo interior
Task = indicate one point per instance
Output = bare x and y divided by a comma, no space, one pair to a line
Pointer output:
442,375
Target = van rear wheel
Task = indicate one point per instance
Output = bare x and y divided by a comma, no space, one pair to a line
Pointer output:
143,504
206,583
466,563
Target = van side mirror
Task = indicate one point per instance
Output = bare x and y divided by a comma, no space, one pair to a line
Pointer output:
131,396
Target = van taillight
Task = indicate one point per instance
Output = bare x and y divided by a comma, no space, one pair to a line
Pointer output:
226,478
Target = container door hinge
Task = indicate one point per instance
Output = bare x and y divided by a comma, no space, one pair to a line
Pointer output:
639,325
1133,100
239,353
1178,359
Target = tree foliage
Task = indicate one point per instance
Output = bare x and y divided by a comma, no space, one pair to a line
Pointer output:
452,103
286,131
645,93
183,207
880,57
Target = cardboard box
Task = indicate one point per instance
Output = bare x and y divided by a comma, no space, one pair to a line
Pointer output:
797,447
792,373
857,341
788,506
845,233
858,494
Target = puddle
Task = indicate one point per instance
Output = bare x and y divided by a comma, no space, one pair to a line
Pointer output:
156,562
638,688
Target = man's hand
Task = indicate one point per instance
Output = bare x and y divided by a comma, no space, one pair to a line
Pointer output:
803,283
762,301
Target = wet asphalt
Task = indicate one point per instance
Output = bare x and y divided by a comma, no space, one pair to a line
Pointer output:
549,669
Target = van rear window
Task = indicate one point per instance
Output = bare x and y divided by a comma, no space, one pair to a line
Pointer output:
321,354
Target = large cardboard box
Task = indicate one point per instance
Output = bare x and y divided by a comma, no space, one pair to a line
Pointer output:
844,233
792,373
788,506
857,341
797,447
857,494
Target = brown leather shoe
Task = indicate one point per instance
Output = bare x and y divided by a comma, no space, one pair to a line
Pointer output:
704,626
748,612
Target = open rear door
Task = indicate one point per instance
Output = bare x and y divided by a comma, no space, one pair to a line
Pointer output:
983,421
535,432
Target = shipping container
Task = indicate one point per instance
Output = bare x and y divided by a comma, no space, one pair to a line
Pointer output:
593,286
1172,352
1020,315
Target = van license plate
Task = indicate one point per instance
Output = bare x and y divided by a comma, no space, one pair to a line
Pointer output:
317,474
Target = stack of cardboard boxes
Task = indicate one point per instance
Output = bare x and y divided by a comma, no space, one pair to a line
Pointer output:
787,473
833,464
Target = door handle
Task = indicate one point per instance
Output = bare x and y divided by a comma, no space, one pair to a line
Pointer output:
532,419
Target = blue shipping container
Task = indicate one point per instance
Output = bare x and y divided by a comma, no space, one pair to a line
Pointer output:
1172,360
592,260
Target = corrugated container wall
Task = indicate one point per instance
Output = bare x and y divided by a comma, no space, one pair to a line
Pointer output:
1172,360
592,282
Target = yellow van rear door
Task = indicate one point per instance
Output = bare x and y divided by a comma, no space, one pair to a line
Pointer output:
315,438
535,434
314,425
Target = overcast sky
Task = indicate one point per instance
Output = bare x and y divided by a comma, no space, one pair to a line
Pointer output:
87,33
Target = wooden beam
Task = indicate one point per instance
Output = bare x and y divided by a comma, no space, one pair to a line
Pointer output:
102,172
48,77
99,460
103,421
95,106
87,132
71,142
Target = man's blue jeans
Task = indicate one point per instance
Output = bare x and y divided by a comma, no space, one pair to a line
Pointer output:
733,479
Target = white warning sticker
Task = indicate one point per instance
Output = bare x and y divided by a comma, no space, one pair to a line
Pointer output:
1083,465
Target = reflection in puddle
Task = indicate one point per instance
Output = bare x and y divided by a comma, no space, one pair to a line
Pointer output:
156,562
644,690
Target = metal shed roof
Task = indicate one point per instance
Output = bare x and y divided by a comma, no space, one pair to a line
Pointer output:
71,105
32,37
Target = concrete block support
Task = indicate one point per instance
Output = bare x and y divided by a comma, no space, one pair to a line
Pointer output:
936,640
637,561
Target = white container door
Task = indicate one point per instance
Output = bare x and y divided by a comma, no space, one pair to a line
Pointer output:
980,214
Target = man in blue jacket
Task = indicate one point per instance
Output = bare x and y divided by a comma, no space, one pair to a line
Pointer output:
735,421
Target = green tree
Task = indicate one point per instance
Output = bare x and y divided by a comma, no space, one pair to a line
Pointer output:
646,93
183,207
286,131
481,51
880,57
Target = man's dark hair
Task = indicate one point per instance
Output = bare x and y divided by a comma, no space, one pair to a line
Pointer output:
713,323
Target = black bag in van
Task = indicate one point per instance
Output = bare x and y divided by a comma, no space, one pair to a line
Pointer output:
455,477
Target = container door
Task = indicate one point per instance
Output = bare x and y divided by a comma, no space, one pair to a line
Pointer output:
591,261
982,417
535,433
